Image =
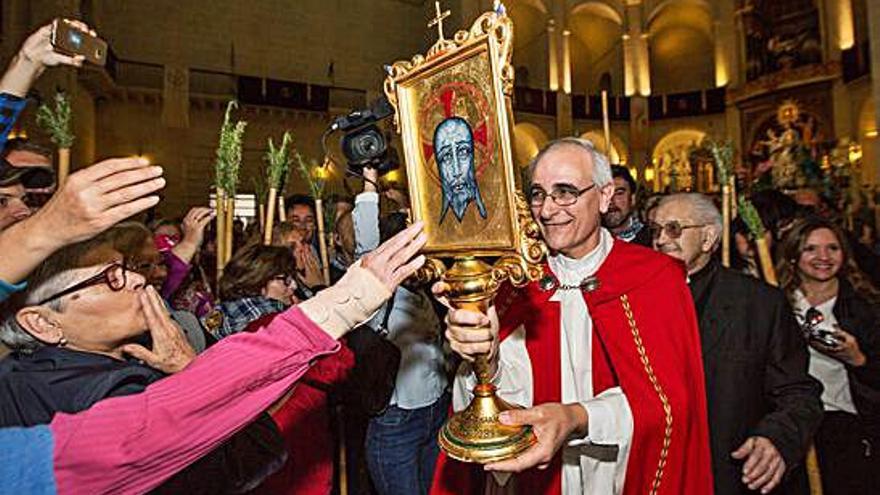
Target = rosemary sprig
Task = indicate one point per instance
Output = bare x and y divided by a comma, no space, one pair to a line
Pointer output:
722,152
279,162
751,218
260,189
316,184
57,121
229,152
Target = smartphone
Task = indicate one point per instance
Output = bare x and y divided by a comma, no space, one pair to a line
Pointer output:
70,40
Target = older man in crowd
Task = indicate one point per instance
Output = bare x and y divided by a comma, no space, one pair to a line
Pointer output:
763,407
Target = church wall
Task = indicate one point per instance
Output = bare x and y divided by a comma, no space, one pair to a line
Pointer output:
281,39
132,126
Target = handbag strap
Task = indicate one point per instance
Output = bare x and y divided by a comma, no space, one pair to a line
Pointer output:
383,329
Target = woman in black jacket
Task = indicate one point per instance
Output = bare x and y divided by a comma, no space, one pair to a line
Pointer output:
837,308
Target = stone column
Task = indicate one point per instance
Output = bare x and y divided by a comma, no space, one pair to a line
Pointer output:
637,85
874,36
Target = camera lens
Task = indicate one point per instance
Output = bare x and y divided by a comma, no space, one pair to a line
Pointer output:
364,145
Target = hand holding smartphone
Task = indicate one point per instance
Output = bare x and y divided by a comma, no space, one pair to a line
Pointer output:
69,39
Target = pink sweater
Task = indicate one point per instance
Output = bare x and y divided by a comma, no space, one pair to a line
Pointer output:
132,444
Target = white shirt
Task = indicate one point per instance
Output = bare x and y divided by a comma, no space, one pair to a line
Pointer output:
610,417
836,395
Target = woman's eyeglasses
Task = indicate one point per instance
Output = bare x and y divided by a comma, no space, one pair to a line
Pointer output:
673,229
114,276
287,280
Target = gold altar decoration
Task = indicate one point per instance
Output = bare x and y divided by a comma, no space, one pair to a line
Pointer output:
453,111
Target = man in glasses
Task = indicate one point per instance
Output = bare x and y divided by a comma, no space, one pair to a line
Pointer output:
763,406
609,376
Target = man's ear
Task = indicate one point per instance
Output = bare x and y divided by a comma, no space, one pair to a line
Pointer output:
711,237
41,323
606,192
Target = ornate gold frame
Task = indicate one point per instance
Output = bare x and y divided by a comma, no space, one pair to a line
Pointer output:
492,33
474,434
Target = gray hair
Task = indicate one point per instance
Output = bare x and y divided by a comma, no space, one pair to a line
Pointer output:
701,208
601,166
12,334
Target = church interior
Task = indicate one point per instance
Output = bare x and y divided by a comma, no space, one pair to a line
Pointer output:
632,244
672,72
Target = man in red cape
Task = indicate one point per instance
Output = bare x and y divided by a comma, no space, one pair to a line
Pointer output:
604,352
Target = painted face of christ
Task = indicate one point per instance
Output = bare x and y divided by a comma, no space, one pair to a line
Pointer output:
454,150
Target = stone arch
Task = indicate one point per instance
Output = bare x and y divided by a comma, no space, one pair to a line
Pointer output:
671,165
528,139
618,153
530,42
597,30
681,46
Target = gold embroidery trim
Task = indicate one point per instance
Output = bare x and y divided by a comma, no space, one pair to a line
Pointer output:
664,400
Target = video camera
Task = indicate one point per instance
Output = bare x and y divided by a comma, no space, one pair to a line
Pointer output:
364,144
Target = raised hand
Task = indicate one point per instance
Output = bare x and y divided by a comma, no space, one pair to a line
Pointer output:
392,262
193,226
35,54
96,198
171,351
307,265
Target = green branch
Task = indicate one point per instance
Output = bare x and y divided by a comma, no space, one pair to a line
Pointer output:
722,152
57,121
279,162
316,185
751,218
260,190
229,152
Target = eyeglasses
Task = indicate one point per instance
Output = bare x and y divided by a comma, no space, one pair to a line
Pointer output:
562,196
114,276
288,280
673,229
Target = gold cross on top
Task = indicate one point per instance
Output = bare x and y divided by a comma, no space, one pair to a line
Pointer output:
438,20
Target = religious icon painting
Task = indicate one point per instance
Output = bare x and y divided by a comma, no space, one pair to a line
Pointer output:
453,113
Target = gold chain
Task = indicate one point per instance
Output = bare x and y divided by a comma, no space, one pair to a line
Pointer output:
667,407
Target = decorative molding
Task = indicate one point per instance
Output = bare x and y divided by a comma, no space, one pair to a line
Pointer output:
785,79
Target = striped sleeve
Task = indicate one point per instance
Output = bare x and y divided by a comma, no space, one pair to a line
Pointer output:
11,107
131,444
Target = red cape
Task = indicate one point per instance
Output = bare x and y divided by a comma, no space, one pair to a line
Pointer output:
654,357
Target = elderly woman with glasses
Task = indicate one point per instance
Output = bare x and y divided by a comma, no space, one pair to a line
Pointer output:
72,338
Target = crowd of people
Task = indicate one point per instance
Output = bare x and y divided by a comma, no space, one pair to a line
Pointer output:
642,363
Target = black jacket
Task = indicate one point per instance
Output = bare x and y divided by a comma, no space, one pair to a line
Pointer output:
34,387
856,316
755,362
